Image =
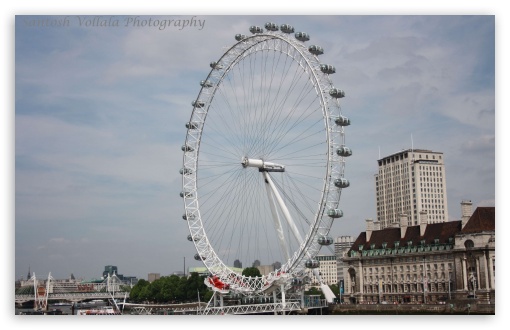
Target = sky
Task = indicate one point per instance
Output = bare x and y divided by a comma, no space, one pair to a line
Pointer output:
99,114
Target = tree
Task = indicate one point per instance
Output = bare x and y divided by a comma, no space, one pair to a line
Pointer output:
313,291
195,286
136,291
155,290
170,289
251,271
335,289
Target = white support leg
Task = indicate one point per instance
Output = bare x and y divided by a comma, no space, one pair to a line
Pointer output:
328,294
277,222
283,296
283,207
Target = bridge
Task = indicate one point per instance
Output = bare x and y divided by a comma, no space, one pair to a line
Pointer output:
202,308
42,291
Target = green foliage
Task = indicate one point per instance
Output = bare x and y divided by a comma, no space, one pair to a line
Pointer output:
251,271
169,289
335,289
313,291
317,291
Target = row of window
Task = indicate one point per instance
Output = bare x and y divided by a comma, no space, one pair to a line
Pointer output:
404,155
407,278
409,259
400,168
400,269
399,288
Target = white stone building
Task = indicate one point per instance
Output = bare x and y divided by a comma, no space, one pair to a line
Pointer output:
408,182
430,262
342,245
327,271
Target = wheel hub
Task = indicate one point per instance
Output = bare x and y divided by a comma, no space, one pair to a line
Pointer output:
262,165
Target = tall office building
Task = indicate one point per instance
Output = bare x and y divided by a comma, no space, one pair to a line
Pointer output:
327,270
342,245
409,182
110,270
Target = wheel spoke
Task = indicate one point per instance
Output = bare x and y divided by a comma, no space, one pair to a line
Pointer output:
265,110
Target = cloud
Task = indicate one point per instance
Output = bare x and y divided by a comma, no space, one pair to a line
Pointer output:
59,240
100,116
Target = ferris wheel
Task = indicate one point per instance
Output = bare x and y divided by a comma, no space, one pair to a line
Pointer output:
263,160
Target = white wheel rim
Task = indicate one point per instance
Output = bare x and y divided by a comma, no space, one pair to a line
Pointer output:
244,122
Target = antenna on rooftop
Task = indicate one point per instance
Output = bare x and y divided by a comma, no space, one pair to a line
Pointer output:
412,147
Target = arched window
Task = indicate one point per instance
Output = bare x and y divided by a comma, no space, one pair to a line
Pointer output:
469,244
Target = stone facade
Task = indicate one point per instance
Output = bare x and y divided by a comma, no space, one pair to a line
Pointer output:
427,263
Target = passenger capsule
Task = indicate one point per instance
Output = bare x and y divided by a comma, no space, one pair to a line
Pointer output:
186,194
188,216
206,83
187,148
325,240
191,239
342,183
337,93
240,37
198,104
185,171
342,121
316,50
327,69
296,281
312,263
198,257
286,28
302,36
256,29
215,65
344,152
271,26
335,213
191,125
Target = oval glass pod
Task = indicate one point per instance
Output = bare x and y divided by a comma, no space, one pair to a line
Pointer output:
286,28
316,50
342,121
335,213
337,93
312,263
328,69
325,240
256,29
344,152
271,26
302,36
342,183
240,37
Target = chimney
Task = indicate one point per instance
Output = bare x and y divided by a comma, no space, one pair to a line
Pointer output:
423,222
370,228
466,210
377,225
403,225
